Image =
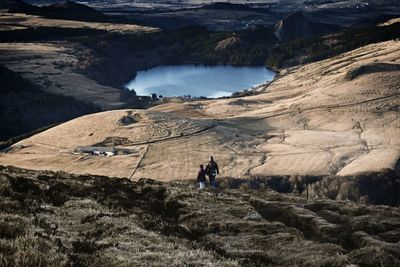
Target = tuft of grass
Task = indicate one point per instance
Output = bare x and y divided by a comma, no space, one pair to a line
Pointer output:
7,248
374,256
9,206
5,186
12,226
84,246
29,251
10,231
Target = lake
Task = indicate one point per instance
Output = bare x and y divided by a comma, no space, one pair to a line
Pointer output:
198,80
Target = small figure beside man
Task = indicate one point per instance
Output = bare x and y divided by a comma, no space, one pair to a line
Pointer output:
201,177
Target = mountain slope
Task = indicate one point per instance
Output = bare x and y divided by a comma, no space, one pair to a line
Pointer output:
296,26
24,107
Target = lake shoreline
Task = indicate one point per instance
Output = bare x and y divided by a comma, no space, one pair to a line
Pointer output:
187,80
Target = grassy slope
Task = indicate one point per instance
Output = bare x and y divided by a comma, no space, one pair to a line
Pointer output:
59,219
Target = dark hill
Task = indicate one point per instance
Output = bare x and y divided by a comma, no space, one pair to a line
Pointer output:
318,48
14,5
297,25
24,107
66,10
70,9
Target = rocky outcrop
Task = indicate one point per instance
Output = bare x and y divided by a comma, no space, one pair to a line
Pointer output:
61,219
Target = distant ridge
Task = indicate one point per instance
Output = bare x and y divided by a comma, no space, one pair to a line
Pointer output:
14,4
70,7
233,7
72,10
65,10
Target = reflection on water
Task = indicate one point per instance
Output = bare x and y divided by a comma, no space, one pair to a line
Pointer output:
195,80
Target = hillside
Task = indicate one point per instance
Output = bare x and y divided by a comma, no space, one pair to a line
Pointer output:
297,25
334,117
25,107
57,219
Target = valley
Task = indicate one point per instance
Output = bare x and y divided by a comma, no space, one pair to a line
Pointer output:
333,117
107,109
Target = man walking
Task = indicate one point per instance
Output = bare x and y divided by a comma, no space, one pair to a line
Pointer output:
212,170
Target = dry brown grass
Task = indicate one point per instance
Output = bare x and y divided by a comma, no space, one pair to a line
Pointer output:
58,219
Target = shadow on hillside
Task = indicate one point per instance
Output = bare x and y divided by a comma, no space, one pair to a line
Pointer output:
371,187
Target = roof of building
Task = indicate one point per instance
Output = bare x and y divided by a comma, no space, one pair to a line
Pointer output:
95,148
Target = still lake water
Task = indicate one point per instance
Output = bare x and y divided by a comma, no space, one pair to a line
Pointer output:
198,80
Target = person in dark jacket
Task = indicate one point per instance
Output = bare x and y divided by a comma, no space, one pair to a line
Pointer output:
201,177
212,170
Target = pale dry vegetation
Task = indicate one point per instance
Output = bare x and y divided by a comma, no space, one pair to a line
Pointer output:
30,21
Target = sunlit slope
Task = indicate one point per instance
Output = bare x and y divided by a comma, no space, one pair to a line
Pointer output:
338,116
12,21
